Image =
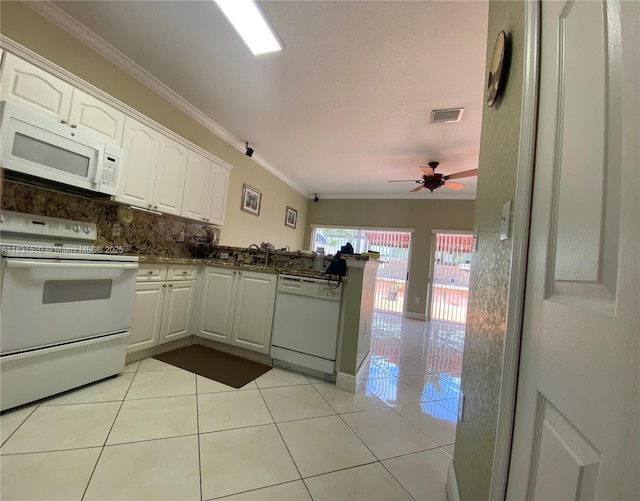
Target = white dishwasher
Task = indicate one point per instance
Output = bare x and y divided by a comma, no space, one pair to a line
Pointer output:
305,325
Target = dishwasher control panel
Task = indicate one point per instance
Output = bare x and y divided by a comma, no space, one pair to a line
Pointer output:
312,287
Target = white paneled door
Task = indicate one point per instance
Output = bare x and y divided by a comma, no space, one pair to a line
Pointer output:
576,427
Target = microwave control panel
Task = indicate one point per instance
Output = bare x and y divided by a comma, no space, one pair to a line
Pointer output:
111,166
110,171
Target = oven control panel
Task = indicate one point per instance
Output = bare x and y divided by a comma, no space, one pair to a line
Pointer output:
31,226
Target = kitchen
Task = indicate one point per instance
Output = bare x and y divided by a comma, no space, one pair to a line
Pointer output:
150,234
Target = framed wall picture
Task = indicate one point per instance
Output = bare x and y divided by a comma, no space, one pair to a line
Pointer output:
291,217
251,199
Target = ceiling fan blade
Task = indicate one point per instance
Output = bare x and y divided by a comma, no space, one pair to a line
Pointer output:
454,186
417,189
428,171
403,181
466,173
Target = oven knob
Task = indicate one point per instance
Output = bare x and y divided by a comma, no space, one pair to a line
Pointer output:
76,228
86,229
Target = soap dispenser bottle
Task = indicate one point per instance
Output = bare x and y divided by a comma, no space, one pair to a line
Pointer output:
318,263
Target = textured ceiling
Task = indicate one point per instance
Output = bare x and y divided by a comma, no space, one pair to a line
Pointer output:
345,106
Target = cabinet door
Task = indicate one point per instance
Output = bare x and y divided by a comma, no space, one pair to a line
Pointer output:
140,144
172,168
96,117
196,187
255,301
176,312
217,194
25,84
217,304
147,313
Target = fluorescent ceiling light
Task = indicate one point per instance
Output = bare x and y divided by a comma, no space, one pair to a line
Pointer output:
250,24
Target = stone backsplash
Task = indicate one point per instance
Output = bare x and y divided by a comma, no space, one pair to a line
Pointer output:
147,234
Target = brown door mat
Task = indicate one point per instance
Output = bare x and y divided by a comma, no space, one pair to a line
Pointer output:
213,364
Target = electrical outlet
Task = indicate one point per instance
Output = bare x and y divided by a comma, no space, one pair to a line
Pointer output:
416,300
117,229
181,237
224,255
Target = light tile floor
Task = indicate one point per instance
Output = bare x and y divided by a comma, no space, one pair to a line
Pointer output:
158,432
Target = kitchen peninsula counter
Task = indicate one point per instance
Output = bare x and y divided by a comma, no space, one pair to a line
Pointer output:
309,273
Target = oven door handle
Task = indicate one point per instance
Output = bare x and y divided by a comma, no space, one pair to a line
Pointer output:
25,263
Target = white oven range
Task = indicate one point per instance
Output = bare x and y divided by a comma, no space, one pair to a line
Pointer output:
65,308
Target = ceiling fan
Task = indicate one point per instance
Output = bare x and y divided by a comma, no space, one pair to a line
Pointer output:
432,180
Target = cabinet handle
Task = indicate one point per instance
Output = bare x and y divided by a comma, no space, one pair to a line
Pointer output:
149,205
184,272
150,272
73,126
164,285
170,285
155,206
63,121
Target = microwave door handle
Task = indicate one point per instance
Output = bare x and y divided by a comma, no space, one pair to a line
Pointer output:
98,177
26,263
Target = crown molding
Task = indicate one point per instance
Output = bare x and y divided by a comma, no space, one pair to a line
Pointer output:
79,31
388,196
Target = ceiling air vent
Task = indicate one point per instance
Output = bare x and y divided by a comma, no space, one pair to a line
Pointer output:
450,115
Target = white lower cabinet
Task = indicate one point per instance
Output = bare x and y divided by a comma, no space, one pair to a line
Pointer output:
236,307
164,301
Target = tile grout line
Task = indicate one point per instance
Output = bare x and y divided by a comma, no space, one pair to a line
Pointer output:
95,466
198,438
21,423
377,460
282,438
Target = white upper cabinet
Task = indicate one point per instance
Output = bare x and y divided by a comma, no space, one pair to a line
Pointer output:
205,191
25,84
158,171
217,197
96,117
170,176
154,169
28,85
196,187
141,145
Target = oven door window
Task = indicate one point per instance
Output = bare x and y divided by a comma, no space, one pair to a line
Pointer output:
68,291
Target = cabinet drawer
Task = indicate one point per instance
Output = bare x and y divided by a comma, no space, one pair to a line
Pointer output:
152,273
182,272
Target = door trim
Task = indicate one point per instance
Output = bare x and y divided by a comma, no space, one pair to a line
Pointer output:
432,259
521,222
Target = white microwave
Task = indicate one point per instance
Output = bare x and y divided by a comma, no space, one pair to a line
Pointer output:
39,146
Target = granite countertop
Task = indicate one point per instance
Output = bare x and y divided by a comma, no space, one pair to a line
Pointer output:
309,273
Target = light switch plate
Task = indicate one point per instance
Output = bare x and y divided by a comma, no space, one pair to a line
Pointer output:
116,230
505,221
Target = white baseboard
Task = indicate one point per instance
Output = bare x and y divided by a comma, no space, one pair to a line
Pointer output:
417,316
349,382
156,350
233,350
453,494
346,382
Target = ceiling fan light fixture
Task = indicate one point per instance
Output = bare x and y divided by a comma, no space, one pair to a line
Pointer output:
446,116
251,25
